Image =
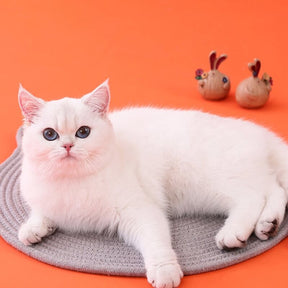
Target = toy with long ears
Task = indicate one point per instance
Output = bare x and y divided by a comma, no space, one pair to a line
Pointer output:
253,92
213,85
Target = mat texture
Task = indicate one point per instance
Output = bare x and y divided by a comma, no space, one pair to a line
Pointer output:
193,238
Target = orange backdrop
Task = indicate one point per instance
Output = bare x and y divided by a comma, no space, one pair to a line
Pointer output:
149,50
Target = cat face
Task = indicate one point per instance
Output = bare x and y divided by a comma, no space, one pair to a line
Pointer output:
67,137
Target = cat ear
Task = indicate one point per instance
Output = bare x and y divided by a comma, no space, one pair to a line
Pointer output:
99,98
29,104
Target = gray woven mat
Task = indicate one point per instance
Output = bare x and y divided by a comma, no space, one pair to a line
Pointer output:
193,238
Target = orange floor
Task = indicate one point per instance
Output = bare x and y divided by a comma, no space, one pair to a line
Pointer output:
149,50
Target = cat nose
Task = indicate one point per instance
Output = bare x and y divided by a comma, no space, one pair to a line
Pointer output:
68,146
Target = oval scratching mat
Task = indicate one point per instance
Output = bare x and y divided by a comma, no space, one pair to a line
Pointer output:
193,238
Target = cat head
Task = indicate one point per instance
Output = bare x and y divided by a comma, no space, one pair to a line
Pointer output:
66,137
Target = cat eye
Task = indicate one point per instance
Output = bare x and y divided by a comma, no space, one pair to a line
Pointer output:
50,134
83,132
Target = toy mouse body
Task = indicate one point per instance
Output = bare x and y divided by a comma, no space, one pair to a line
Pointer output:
253,92
213,85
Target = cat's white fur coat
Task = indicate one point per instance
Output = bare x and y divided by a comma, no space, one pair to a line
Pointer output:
139,166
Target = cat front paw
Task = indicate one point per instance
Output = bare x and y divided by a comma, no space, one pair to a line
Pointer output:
165,275
32,233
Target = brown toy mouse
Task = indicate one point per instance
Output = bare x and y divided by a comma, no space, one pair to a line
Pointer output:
213,85
253,92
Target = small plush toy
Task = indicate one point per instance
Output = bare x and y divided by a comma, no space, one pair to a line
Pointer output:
213,85
253,92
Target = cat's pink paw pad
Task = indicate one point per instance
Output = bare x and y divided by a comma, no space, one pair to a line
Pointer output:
266,229
165,276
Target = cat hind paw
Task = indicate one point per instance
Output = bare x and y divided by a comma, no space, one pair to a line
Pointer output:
226,240
266,229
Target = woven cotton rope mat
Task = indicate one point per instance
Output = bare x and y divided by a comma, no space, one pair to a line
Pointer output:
193,238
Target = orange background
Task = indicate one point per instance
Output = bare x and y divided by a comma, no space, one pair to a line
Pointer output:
149,50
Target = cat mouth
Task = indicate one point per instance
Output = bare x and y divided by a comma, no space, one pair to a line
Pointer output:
68,156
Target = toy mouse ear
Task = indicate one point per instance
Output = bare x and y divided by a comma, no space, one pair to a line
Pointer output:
212,58
255,67
220,60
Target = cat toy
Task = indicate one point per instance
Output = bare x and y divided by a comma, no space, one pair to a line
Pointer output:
213,85
253,92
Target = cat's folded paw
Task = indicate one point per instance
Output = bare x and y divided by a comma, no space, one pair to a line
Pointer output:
33,233
266,229
228,239
165,275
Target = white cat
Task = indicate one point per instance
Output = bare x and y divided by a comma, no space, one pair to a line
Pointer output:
87,170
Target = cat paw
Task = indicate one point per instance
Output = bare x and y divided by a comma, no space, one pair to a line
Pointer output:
165,276
227,239
33,233
266,229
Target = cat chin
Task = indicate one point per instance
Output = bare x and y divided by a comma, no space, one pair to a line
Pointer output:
62,165
65,167
68,170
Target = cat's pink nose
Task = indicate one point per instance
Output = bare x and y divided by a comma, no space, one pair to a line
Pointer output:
68,147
